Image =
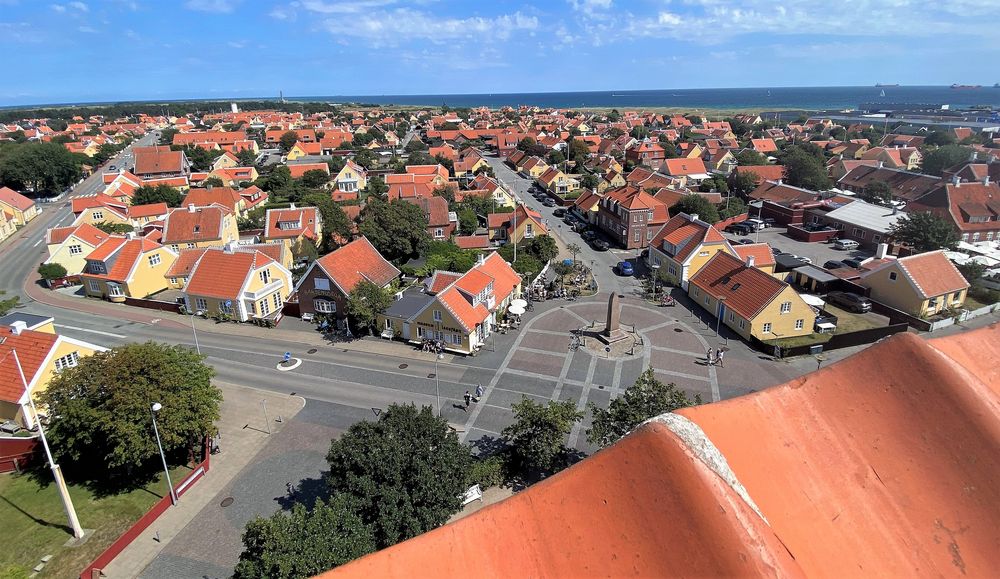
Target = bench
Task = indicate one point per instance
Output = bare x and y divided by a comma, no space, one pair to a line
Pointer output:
474,493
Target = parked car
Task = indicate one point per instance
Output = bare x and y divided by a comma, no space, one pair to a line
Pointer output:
850,301
580,227
559,212
624,268
549,203
746,242
569,219
833,264
768,222
805,259
855,263
600,245
112,168
738,228
588,235
845,244
776,251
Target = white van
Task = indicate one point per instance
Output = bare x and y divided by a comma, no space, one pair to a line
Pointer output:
845,244
757,224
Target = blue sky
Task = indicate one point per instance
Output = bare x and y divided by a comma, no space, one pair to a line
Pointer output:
77,51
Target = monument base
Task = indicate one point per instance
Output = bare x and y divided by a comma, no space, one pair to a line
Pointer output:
615,336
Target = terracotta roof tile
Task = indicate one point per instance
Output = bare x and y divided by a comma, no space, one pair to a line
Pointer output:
356,261
222,274
185,224
32,349
933,273
747,289
15,199
761,252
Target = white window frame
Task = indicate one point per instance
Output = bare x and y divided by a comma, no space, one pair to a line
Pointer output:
324,306
277,301
321,284
68,361
175,247
154,260
766,328
94,286
201,304
743,324
265,307
115,290
264,275
97,215
800,324
786,307
75,249
437,315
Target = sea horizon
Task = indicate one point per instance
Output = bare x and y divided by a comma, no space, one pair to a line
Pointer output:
818,98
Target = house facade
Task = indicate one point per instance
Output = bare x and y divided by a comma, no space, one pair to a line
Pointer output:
20,209
920,285
684,245
69,246
126,266
239,284
189,227
631,216
324,288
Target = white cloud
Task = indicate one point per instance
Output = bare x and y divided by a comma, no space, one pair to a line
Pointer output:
214,6
344,7
19,32
280,13
236,44
79,6
589,6
404,24
87,29
58,7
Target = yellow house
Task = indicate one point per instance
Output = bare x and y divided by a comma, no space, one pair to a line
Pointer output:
300,149
533,168
558,182
70,246
233,176
241,284
226,160
191,226
458,310
749,301
684,245
7,225
694,151
41,354
351,178
920,285
99,209
126,266
21,209
516,226
611,180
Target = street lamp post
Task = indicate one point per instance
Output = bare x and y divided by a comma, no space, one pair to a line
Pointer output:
194,331
437,382
656,269
720,313
152,412
67,501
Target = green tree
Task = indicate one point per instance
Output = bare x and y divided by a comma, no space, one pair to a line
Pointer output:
366,159
114,228
524,264
446,191
468,223
279,178
714,183
750,157
639,132
246,158
288,140
526,143
803,169
100,411
696,205
537,436
315,178
404,474
574,250
556,157
39,167
213,181
335,221
577,151
742,183
936,161
589,181
6,305
972,271
732,207
365,302
201,159
646,398
303,543
376,187
543,247
877,192
157,194
398,230
255,219
415,145
167,136
50,271
940,138
925,231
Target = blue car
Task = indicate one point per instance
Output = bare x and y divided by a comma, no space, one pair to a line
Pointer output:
624,268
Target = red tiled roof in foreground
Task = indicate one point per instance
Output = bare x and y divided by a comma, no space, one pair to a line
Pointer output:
32,349
883,464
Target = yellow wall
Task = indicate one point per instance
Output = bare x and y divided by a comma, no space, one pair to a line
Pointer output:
349,174
20,217
96,215
296,153
536,171
145,279
253,285
901,294
223,162
696,260
782,325
74,264
447,325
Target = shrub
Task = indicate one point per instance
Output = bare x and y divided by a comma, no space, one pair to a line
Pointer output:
488,472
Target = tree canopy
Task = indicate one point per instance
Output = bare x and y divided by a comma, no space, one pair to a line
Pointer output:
49,271
6,305
288,140
398,230
743,182
315,178
696,205
804,169
750,157
100,411
39,167
537,436
365,302
646,398
404,474
877,192
936,161
335,221
303,543
925,231
114,228
157,194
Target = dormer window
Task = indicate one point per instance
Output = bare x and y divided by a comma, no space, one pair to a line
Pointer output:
197,228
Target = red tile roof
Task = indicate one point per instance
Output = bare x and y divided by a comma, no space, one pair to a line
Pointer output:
747,290
123,253
472,241
761,252
185,224
148,210
932,273
684,166
435,209
462,309
356,261
302,221
185,262
685,235
32,349
158,160
203,197
764,172
221,274
441,280
15,199
84,232
299,169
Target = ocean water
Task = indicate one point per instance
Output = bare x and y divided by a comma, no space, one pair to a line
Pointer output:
808,98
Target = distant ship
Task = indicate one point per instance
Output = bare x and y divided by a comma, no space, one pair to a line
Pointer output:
880,85
881,93
996,85
966,86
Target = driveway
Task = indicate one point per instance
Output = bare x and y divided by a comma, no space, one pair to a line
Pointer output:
818,252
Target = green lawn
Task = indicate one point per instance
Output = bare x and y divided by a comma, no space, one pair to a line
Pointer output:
35,524
849,321
800,340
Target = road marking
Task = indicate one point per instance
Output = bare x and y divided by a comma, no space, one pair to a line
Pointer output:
109,334
36,243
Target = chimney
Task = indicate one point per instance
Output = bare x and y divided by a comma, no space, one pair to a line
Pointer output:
986,179
17,327
480,259
780,181
693,217
880,163
209,187
190,207
130,235
956,180
750,261
881,251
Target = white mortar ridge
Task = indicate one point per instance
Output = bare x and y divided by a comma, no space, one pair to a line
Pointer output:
703,448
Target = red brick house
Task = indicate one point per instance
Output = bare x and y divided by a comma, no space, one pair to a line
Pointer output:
630,216
325,286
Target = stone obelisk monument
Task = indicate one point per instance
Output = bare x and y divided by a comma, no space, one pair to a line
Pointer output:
612,328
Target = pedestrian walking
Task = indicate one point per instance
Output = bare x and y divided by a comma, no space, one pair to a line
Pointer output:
479,392
718,358
468,398
708,357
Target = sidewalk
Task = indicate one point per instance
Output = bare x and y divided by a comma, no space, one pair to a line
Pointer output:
240,445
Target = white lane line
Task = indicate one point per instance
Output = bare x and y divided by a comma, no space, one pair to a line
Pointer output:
109,334
35,244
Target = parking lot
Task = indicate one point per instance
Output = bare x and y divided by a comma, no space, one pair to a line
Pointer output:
818,252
